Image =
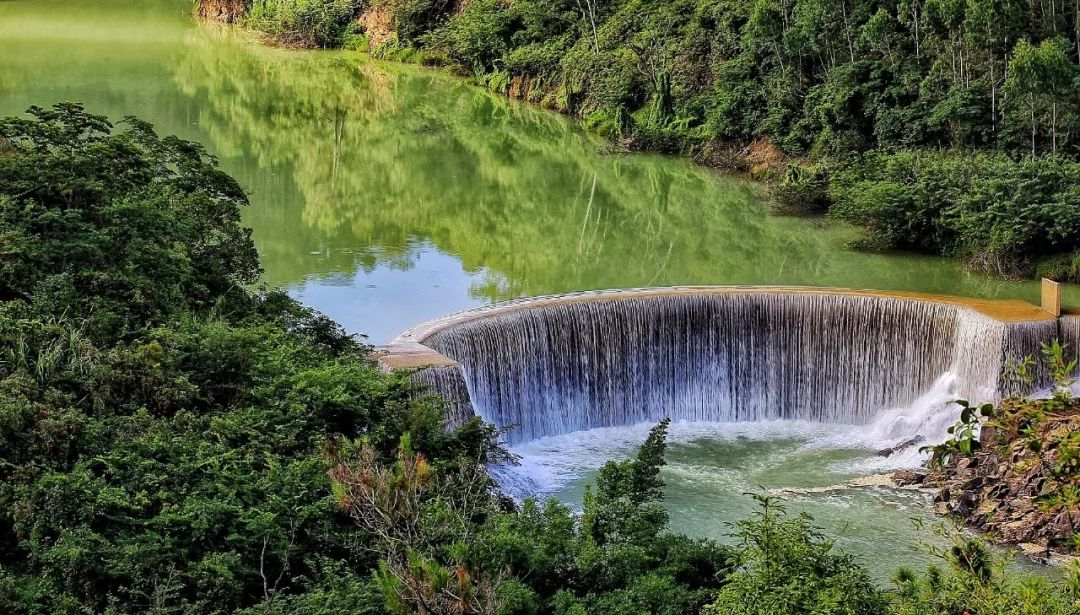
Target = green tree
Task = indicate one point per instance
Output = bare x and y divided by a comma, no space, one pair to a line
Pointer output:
1040,87
786,566
162,425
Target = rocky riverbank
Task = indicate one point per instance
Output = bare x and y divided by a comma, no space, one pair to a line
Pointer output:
1020,483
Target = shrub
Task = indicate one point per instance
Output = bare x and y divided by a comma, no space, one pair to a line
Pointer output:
1000,214
478,36
163,427
305,23
413,19
785,565
973,582
537,59
803,190
1065,267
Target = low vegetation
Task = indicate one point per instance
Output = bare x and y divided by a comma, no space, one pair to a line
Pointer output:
305,23
162,428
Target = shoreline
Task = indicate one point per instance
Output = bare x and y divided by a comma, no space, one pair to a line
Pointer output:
757,160
795,185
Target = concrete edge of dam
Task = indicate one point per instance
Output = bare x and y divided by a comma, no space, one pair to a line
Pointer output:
407,350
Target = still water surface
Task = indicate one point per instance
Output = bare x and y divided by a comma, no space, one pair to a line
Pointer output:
384,195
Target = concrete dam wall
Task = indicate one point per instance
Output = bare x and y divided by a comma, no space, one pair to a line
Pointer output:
554,365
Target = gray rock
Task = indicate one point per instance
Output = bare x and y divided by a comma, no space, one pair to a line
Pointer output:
906,444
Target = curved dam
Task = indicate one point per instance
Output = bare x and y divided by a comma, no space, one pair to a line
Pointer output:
559,364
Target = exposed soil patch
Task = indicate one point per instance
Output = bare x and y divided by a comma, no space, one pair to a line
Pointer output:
225,11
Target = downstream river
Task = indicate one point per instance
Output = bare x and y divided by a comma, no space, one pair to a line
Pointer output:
384,195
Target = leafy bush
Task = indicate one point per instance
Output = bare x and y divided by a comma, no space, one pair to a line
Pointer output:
1001,214
803,189
539,59
162,428
786,566
973,582
413,19
615,557
1059,267
477,36
121,229
305,23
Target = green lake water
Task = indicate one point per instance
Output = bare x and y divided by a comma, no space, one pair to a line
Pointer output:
711,468
384,195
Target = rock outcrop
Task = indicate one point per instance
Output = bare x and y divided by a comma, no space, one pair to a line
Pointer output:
377,23
1019,487
900,446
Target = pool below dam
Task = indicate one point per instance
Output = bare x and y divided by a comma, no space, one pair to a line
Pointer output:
783,389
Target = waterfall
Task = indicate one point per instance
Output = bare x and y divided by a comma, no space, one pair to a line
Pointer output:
556,366
1070,335
448,381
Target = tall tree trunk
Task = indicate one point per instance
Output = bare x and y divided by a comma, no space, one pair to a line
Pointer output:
993,101
1032,128
963,77
847,31
1053,127
915,20
1076,27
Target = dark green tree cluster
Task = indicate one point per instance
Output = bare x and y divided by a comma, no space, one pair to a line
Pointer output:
615,556
819,82
1005,216
824,81
815,77
162,427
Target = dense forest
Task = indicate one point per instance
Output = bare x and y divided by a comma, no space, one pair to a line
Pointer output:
945,126
173,440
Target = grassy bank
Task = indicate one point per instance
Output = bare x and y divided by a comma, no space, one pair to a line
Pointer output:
947,98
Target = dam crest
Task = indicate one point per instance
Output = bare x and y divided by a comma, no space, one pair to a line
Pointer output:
559,364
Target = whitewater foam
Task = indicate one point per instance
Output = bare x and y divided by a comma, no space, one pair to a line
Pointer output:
549,463
581,378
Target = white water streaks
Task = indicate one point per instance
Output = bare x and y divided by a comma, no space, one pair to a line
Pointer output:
721,355
778,390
